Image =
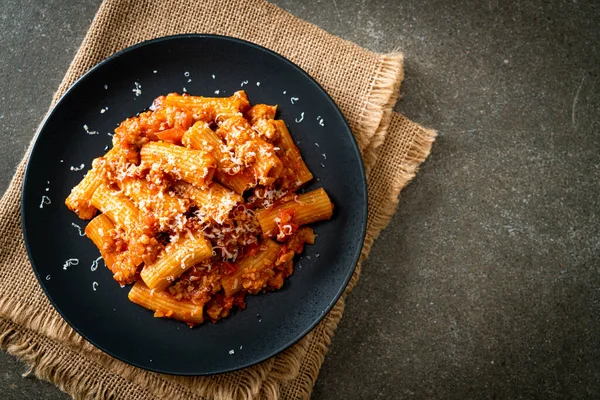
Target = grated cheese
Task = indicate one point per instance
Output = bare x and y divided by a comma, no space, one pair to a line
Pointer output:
45,201
77,168
70,262
78,229
95,264
87,130
137,89
301,118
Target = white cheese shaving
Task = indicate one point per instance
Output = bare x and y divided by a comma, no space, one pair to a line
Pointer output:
244,83
78,229
87,130
137,89
94,285
95,264
47,277
294,99
77,168
70,262
45,200
301,118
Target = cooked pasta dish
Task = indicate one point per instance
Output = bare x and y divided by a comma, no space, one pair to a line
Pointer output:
197,205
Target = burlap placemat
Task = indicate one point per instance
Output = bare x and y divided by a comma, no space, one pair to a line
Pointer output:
365,86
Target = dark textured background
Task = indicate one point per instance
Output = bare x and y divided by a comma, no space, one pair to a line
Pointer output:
486,283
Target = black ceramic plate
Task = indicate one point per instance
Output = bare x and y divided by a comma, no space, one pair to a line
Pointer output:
125,84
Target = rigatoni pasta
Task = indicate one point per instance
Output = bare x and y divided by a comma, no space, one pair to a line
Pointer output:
198,205
177,258
165,305
284,218
193,166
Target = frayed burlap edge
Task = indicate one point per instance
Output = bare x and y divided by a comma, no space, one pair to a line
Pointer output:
382,85
384,90
45,363
418,151
50,360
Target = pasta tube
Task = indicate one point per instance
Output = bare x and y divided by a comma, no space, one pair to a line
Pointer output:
164,305
178,258
165,206
304,209
210,108
256,264
214,202
79,199
193,166
230,172
118,208
120,263
295,168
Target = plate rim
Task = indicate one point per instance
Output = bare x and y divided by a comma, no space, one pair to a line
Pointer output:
362,176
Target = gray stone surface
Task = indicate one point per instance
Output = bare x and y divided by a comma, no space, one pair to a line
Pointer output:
486,282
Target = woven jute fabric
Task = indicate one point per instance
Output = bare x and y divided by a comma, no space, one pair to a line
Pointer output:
365,86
